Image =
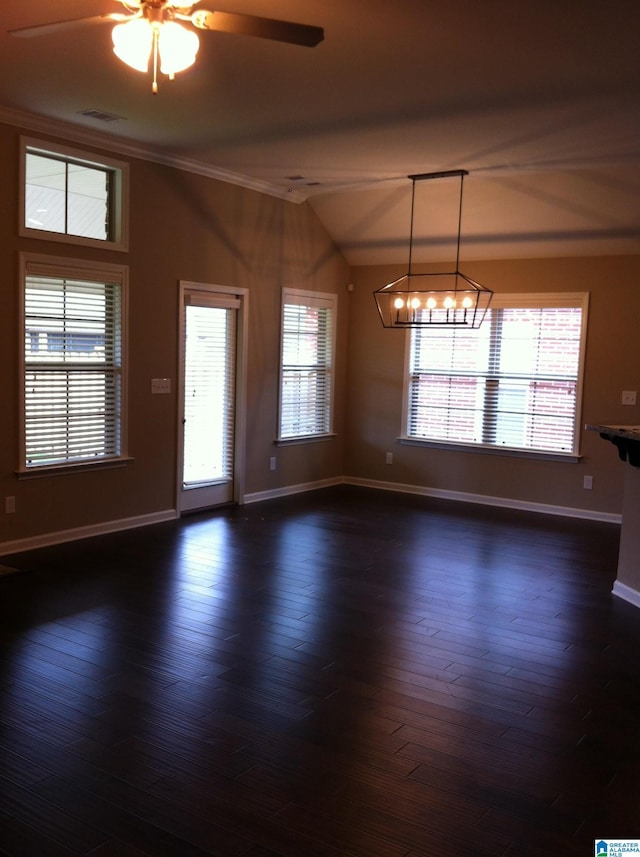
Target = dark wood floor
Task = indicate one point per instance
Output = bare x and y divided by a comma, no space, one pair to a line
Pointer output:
347,672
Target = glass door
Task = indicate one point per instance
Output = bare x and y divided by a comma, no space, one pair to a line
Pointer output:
209,351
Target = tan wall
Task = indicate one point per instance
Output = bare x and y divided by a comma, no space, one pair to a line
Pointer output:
612,365
183,226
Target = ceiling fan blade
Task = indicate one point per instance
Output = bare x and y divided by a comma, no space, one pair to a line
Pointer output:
263,28
53,27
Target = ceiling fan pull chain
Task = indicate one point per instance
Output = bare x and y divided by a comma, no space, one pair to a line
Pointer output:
154,87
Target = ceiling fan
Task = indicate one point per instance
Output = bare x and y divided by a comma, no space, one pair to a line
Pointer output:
149,29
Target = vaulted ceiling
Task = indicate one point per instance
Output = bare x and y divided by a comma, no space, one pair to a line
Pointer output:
539,101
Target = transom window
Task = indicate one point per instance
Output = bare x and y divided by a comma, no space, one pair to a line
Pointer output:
513,384
73,389
307,364
70,196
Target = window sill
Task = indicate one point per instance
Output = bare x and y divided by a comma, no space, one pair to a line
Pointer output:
540,455
64,469
308,438
74,240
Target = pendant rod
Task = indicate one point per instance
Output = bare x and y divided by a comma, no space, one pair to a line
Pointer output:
413,197
459,226
442,174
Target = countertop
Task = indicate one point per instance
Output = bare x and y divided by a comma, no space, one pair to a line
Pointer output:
625,438
627,432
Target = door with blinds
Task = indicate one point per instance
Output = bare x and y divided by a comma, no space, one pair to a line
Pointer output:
209,392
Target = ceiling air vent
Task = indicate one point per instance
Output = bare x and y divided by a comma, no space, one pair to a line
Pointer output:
308,183
99,115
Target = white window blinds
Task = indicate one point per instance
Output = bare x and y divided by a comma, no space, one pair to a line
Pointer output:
514,383
72,370
306,387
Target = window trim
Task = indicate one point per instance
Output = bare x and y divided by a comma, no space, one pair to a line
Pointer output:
306,297
522,300
36,264
120,194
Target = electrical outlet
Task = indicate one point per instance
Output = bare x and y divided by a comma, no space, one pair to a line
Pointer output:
272,463
587,482
388,458
629,397
9,505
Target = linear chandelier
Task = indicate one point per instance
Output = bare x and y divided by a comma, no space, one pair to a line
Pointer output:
448,298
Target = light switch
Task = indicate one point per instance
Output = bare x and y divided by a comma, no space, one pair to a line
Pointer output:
160,385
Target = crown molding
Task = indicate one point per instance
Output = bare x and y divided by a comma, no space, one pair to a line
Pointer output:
115,145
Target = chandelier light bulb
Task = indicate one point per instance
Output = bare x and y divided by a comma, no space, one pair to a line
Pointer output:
398,303
415,303
449,302
432,303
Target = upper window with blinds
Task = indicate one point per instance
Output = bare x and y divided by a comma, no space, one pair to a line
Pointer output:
72,196
513,384
73,393
307,364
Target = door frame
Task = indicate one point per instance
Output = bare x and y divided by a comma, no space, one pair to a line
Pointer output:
240,431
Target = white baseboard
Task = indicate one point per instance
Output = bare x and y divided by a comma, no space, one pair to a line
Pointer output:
485,500
48,539
102,529
626,593
425,491
303,487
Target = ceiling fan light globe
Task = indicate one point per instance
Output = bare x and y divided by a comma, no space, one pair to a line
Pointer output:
178,48
132,42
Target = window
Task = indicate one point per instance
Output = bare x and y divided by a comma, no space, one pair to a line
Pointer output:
513,384
306,382
73,393
72,197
